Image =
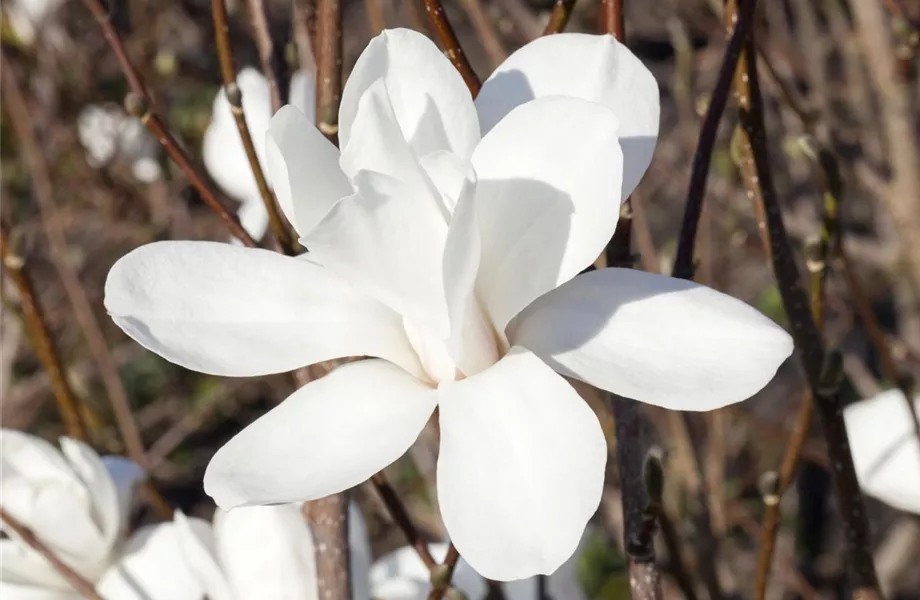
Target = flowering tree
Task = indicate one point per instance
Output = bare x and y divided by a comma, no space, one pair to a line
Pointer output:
433,256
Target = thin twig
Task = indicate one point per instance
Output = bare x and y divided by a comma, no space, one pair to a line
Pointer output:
443,573
820,252
329,67
699,174
42,342
235,99
821,368
639,522
559,17
401,517
271,55
76,581
451,45
612,21
141,105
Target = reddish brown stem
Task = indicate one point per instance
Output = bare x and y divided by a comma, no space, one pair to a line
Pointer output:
451,45
76,581
559,17
235,98
42,342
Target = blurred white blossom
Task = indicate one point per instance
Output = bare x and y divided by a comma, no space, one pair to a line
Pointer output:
446,241
75,502
250,553
108,134
223,152
886,452
27,17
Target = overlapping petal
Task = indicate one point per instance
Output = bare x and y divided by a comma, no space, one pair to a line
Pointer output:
547,199
226,310
521,467
389,236
592,67
660,340
431,102
266,552
303,167
329,435
152,567
886,452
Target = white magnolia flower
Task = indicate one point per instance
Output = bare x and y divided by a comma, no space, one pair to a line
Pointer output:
223,152
446,242
886,452
74,502
250,553
27,17
108,134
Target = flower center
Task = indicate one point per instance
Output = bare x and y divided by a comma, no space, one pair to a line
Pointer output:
433,354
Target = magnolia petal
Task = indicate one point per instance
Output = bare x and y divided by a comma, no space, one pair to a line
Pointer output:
451,175
226,310
472,341
389,241
253,217
22,566
593,67
222,148
53,495
433,106
328,436
521,467
14,591
152,567
126,475
303,167
267,552
197,546
378,145
401,575
547,199
103,492
885,449
665,341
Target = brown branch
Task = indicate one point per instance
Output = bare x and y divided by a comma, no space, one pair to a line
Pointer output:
235,99
640,508
140,104
76,581
699,174
443,573
402,519
271,55
451,45
328,519
821,367
40,335
329,67
559,17
612,21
